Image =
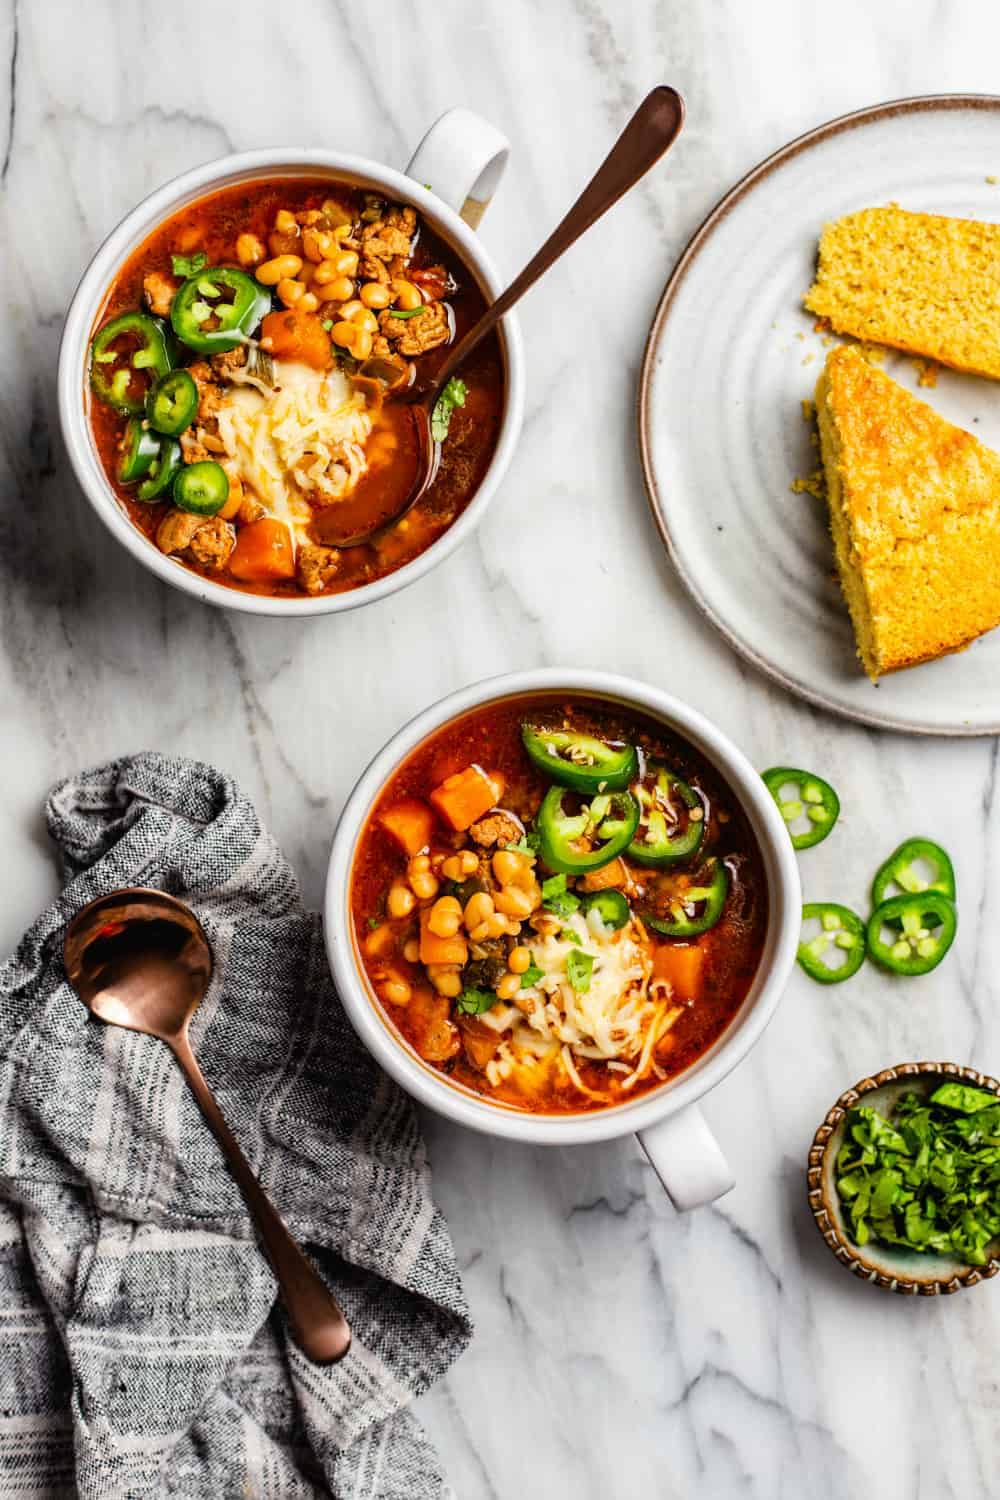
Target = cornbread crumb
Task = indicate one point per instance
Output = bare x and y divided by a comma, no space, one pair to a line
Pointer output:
915,517
808,410
992,180
810,484
919,282
927,372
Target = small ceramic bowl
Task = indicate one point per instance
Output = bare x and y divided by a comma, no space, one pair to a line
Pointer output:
889,1266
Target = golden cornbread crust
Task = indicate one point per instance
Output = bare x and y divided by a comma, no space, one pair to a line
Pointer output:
914,514
920,282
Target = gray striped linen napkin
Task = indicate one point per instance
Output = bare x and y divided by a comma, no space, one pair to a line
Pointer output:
141,1351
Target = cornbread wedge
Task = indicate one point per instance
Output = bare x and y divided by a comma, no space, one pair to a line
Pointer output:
919,282
915,517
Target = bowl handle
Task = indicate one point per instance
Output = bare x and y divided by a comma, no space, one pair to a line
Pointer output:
461,160
687,1159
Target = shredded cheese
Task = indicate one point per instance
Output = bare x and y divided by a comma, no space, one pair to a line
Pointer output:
303,440
619,1019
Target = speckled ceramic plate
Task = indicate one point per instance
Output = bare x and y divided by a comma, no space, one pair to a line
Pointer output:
892,1267
730,358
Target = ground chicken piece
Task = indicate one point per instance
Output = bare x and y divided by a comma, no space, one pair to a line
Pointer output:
193,446
176,530
412,336
209,400
209,391
158,289
481,1042
250,510
496,828
381,348
224,364
390,235
212,543
201,442
373,269
316,567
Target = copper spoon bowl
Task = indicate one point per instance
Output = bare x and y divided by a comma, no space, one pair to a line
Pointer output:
651,131
139,959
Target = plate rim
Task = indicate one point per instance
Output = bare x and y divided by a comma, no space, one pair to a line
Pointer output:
912,104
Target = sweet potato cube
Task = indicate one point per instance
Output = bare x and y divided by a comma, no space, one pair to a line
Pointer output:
439,950
680,964
410,822
263,552
466,796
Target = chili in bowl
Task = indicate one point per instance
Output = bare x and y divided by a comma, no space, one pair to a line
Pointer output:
560,907
227,377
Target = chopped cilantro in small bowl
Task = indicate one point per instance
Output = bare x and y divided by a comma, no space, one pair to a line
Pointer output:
904,1178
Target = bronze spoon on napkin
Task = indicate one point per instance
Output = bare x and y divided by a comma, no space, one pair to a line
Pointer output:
140,959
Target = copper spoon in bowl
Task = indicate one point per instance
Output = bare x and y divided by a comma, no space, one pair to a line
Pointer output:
139,959
653,128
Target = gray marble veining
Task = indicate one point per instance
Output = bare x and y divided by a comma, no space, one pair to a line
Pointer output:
621,1350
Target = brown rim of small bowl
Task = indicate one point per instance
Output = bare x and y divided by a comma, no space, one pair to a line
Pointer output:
912,105
851,1255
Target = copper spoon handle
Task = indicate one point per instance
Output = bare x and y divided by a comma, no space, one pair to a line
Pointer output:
654,127
318,1325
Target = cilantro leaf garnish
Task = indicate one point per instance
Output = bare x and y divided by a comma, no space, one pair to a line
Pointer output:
474,1002
453,395
556,898
528,843
579,967
531,975
188,265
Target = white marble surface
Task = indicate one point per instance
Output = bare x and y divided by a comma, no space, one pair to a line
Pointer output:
621,1350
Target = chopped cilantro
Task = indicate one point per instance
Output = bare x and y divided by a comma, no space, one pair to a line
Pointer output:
528,843
928,1176
556,898
188,265
474,1002
963,1097
579,967
373,922
327,324
453,395
531,976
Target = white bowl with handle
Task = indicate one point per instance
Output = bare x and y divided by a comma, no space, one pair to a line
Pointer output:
449,181
667,1120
